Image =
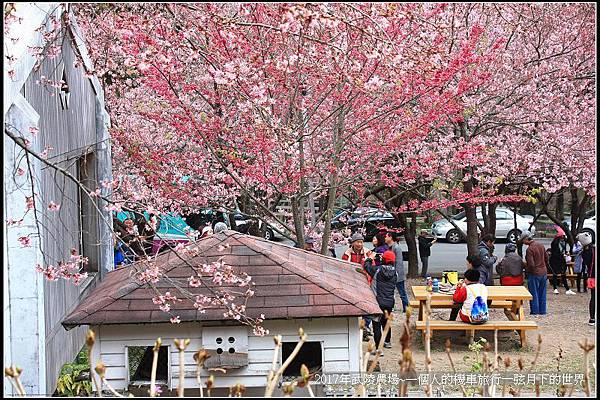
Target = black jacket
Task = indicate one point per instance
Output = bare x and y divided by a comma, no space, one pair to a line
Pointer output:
424,246
384,282
558,264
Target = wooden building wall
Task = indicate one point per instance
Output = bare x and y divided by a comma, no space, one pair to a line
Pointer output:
71,133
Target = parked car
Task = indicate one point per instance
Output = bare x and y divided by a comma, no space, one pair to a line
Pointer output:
211,216
242,224
369,218
589,224
505,227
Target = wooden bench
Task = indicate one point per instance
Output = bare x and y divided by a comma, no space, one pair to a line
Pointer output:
444,304
520,326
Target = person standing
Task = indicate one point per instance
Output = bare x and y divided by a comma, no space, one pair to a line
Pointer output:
391,239
557,262
379,244
510,268
384,283
425,244
488,259
589,259
578,265
536,260
357,254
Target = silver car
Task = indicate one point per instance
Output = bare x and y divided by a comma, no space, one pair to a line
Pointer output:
505,226
589,224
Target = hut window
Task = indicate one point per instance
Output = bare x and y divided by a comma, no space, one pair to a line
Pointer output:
139,363
310,354
65,92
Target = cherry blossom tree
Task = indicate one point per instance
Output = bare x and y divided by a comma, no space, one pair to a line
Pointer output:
273,101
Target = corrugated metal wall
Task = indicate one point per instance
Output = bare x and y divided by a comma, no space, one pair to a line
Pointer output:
72,133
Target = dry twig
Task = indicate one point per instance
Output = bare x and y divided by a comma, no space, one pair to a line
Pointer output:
587,348
155,351
181,346
90,339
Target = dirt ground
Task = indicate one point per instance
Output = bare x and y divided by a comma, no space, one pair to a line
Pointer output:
565,325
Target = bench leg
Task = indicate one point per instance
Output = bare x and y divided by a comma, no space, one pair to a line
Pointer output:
471,335
523,337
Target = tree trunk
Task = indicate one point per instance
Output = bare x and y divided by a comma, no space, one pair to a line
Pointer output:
491,228
410,236
333,178
470,210
472,234
560,206
331,192
298,215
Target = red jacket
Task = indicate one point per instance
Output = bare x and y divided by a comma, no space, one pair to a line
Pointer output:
358,258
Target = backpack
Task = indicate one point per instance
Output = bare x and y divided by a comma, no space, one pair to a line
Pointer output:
479,311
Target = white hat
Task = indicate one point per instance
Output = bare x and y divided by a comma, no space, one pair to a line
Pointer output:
584,238
526,235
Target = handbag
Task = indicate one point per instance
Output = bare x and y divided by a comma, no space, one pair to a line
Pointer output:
591,283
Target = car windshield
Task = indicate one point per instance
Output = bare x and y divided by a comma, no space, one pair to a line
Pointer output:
460,215
590,214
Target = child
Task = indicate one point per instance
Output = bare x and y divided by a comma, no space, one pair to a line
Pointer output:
467,292
384,286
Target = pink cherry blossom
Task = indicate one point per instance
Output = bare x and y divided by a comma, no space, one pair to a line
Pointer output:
25,241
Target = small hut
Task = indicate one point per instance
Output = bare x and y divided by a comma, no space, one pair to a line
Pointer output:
293,288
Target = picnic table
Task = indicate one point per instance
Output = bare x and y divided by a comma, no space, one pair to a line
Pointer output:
511,299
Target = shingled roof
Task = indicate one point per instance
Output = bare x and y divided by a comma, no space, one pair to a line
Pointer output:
289,283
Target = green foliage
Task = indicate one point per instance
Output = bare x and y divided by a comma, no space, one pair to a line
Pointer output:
135,355
476,347
71,381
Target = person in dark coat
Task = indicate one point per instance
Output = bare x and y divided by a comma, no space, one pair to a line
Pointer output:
391,239
425,244
589,259
557,261
511,267
383,286
487,258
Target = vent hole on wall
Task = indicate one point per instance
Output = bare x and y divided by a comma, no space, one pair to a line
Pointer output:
219,340
219,351
231,339
231,350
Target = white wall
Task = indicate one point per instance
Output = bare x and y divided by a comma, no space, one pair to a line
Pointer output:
340,339
24,286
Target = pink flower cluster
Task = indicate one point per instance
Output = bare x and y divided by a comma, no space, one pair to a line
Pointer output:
151,274
25,241
67,271
162,301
